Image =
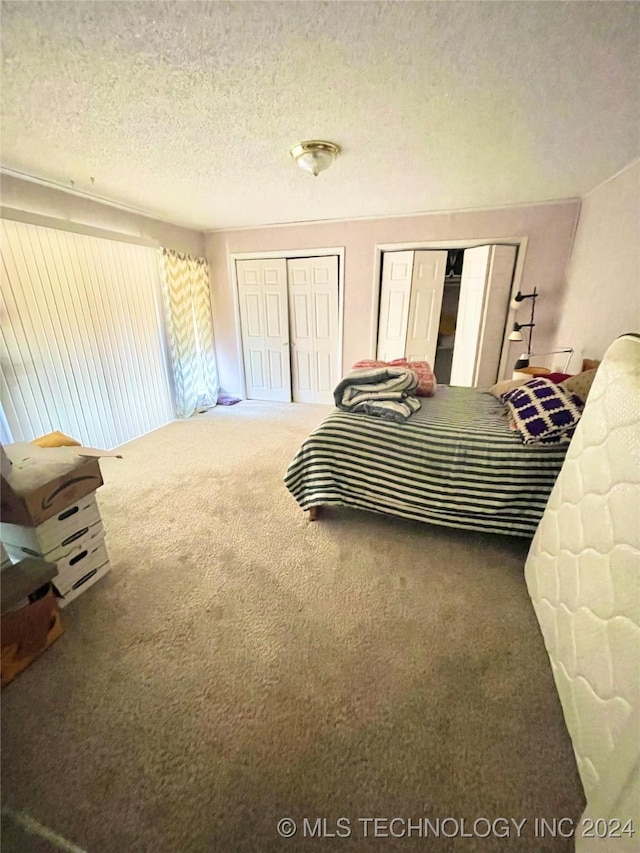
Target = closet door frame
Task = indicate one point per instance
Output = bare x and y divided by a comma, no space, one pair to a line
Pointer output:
286,254
520,241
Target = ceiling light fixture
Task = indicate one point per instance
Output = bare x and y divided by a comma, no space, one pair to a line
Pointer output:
315,155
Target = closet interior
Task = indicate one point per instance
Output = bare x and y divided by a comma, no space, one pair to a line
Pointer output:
448,315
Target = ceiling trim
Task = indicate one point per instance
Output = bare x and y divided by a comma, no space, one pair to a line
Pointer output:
449,212
612,177
63,188
149,214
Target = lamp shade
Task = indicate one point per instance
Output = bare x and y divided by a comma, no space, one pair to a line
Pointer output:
315,155
519,298
515,334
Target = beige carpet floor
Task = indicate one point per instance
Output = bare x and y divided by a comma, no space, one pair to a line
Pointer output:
240,665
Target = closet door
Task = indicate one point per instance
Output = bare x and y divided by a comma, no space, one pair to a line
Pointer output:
395,295
485,289
469,320
313,317
502,262
264,321
427,287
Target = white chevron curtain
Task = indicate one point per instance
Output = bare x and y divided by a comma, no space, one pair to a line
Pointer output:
185,281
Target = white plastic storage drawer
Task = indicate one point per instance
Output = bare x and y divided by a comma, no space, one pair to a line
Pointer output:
79,563
84,583
77,540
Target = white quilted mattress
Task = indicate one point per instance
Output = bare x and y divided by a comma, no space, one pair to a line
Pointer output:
583,574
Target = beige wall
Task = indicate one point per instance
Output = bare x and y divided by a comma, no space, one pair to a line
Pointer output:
602,296
548,227
40,205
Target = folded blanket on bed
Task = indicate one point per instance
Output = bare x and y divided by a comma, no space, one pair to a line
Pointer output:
383,392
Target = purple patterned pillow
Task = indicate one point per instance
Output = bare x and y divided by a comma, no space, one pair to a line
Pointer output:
543,412
507,394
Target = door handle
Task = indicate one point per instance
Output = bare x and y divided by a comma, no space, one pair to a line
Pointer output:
285,343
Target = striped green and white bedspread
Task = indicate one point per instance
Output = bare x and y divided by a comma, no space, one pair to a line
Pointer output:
454,462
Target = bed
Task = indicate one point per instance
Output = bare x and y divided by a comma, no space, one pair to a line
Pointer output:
454,462
583,575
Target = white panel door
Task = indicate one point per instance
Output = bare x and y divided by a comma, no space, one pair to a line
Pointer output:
427,287
469,320
502,261
264,321
313,319
395,295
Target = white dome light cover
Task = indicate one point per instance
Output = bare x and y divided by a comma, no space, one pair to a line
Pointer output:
315,155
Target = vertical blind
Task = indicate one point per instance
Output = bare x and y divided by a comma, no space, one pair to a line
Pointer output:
83,343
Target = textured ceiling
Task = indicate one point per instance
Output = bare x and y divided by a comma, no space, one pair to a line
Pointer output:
187,110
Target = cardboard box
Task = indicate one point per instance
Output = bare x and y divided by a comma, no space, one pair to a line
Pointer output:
25,633
78,565
19,581
53,497
5,463
57,536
